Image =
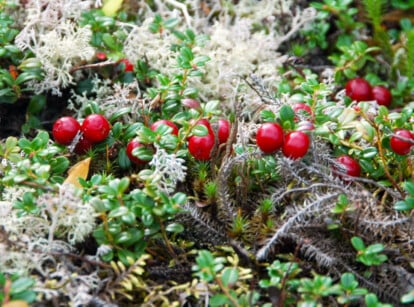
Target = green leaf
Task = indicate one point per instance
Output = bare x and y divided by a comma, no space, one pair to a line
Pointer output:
26,76
171,23
21,284
109,41
402,206
117,212
358,244
348,281
409,187
37,104
199,130
175,228
229,276
375,248
180,198
218,300
408,298
286,113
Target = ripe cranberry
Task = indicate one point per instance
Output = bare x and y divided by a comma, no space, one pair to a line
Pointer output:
101,56
95,128
223,130
296,144
400,146
200,147
65,129
160,122
303,108
358,89
134,143
128,66
269,137
82,146
382,95
351,166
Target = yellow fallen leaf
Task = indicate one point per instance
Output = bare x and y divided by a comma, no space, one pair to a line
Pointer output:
111,7
79,170
17,303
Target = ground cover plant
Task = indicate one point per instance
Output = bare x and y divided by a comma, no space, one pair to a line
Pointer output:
206,153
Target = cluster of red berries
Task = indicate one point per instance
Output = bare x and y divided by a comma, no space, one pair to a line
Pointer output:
359,89
94,129
270,137
200,147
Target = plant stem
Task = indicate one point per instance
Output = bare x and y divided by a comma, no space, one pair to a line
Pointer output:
226,292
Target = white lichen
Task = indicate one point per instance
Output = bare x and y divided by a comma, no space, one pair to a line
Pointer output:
168,170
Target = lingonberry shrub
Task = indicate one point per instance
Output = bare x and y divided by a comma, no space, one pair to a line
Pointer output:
296,144
95,128
65,129
358,89
269,137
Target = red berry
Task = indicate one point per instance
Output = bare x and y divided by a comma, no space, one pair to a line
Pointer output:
101,56
302,107
223,130
128,66
82,146
65,129
160,122
296,144
382,95
129,149
400,146
200,147
351,166
269,137
95,128
358,89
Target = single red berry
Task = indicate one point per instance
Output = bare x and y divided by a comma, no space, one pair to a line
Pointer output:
400,146
382,95
160,122
65,129
128,66
223,130
350,165
302,107
358,89
101,56
82,146
200,147
95,128
269,137
130,148
296,144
